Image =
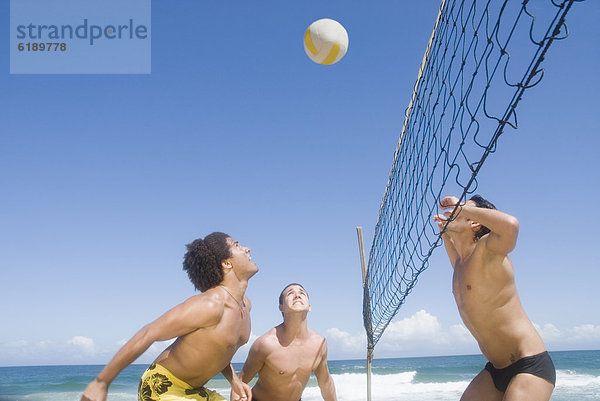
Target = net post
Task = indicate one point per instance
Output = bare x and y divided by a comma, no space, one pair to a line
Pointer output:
363,265
369,365
361,249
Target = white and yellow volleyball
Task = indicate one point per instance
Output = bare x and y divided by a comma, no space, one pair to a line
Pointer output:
325,41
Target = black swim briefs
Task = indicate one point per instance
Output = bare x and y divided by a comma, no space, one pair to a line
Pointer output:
540,365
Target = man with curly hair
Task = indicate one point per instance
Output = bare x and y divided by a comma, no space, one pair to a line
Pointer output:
478,239
208,327
285,356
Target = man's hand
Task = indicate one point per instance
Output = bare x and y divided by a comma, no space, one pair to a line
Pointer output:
441,220
95,391
447,203
240,391
450,202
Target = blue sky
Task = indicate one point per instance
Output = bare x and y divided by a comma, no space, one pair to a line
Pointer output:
105,178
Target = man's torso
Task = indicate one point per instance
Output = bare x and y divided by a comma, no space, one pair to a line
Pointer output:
487,299
287,368
200,355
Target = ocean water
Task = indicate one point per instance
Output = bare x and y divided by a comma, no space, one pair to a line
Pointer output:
398,379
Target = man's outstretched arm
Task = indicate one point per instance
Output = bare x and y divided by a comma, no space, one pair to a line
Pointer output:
180,320
324,379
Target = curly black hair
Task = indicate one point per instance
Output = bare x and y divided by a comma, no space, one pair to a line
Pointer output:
203,259
486,204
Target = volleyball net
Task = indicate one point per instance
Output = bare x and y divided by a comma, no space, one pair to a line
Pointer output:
482,57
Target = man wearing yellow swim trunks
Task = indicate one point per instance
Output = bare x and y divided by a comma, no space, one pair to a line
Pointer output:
208,327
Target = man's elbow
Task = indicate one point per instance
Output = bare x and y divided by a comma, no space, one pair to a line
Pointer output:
510,234
513,227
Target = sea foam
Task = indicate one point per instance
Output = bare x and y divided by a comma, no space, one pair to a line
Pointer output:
391,387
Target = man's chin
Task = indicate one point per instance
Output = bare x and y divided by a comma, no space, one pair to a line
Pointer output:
253,272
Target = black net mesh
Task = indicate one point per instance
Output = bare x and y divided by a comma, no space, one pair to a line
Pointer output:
482,58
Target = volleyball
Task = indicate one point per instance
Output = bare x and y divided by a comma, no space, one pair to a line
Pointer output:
325,41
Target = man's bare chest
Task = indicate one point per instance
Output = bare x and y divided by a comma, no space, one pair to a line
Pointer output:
234,330
476,283
293,361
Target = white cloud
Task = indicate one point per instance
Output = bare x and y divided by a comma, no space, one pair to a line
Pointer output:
584,336
418,327
45,344
419,334
422,333
459,333
549,332
15,344
345,341
82,344
585,332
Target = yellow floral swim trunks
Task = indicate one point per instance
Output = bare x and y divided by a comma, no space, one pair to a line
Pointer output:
158,384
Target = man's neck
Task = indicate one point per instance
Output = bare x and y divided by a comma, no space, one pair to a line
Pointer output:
295,326
235,287
463,243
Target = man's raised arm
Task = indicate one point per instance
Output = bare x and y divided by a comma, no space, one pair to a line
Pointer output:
504,227
441,220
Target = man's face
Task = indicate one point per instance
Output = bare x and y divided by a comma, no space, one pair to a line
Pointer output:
240,259
295,299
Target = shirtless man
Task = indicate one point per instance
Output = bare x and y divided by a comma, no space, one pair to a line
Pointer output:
286,355
477,240
209,328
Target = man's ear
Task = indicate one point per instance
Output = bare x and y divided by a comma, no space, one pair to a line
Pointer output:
226,264
281,308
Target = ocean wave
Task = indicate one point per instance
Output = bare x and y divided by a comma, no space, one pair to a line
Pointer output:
571,385
391,387
66,396
569,378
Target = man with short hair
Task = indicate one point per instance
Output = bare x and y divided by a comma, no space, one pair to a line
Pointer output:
209,327
286,355
478,239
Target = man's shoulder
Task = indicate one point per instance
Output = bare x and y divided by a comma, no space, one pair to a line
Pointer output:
269,337
210,301
266,342
317,340
487,256
314,336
